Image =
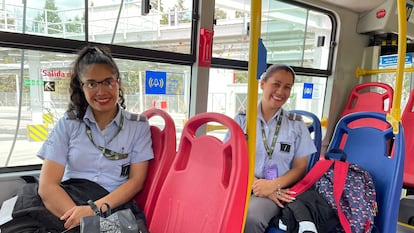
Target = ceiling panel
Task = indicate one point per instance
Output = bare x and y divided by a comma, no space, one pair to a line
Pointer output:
356,5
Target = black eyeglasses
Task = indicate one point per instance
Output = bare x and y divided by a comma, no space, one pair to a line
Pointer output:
108,83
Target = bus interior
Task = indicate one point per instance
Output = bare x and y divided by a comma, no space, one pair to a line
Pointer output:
189,64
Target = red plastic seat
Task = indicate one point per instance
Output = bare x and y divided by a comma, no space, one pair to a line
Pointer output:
369,97
407,120
206,187
164,146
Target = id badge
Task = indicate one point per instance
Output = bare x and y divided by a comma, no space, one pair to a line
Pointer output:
125,170
270,171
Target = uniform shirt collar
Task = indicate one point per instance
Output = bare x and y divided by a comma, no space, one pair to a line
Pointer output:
90,118
274,117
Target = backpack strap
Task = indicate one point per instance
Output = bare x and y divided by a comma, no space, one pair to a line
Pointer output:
340,174
312,176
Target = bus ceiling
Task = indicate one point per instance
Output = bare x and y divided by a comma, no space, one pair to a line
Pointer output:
378,16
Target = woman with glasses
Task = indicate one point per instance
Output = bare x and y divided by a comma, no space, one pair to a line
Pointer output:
96,142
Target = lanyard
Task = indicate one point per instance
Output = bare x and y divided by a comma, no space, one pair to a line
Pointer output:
109,154
272,147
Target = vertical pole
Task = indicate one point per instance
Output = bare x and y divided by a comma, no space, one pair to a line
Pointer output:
251,111
394,117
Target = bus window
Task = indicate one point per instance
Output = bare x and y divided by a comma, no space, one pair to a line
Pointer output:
108,22
36,100
292,34
228,92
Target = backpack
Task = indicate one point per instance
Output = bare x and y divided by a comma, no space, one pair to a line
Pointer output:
348,188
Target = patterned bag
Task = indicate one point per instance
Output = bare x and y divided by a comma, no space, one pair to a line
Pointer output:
348,188
356,193
122,221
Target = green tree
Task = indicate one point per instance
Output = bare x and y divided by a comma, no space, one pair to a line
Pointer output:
240,77
220,14
160,9
183,16
74,25
49,18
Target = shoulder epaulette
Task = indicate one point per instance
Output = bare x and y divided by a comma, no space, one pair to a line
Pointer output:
72,115
137,117
294,116
242,112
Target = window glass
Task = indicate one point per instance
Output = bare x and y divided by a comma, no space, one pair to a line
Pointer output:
44,96
167,26
228,92
292,34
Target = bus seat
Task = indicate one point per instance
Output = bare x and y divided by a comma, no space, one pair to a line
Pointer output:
369,97
164,146
315,129
383,162
206,187
381,153
407,120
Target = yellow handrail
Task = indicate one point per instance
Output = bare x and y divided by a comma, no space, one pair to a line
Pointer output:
394,117
361,72
251,113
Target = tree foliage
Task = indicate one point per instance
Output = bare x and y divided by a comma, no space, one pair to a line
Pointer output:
49,19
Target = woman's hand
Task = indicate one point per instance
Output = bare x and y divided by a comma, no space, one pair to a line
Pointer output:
263,187
73,216
282,196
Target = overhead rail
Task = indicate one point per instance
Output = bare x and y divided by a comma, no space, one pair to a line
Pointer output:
362,72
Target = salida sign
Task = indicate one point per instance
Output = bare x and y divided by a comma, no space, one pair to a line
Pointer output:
55,74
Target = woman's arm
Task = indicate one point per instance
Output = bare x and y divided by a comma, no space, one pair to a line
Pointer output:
129,189
119,196
267,188
54,197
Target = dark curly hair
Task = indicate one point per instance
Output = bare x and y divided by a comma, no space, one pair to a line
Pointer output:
89,55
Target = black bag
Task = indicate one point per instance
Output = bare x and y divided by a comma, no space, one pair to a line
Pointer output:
122,221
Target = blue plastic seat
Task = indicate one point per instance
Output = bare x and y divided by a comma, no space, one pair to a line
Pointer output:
380,152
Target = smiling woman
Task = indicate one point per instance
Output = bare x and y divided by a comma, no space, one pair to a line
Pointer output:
97,143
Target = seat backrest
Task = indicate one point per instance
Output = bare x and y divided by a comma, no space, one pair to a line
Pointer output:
369,97
164,146
314,128
206,187
407,120
381,153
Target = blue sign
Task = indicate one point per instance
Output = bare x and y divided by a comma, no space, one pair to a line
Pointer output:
307,90
391,60
155,82
261,59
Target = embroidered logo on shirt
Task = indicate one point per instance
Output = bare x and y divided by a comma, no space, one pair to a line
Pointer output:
284,147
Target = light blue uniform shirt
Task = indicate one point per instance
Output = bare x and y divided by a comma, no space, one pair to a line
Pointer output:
293,141
69,146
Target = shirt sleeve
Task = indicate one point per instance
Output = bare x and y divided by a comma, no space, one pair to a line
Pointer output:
142,149
304,144
56,146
